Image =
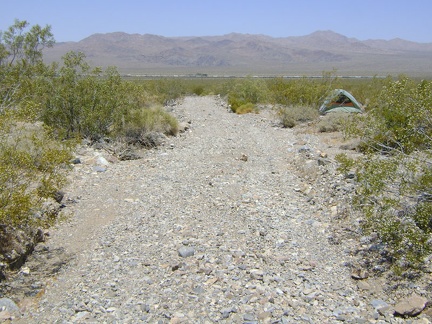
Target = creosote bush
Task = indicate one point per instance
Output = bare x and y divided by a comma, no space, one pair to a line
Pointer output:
245,94
33,169
301,92
395,176
32,162
142,123
246,109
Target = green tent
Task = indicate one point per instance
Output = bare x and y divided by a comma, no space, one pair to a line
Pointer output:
340,100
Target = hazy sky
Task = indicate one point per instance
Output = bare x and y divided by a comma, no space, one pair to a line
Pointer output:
73,20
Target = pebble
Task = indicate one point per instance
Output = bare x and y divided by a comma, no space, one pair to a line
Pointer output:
186,251
8,305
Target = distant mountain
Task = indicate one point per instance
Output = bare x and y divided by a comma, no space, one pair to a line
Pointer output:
250,54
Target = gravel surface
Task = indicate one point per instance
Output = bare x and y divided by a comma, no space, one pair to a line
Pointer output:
215,226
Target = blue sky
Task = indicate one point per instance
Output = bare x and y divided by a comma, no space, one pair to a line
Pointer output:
73,20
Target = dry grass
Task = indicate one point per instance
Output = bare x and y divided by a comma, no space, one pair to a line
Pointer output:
333,122
292,115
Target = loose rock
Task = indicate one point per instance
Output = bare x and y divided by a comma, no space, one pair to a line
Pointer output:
411,306
186,251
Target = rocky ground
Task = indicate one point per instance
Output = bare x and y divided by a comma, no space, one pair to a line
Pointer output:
236,220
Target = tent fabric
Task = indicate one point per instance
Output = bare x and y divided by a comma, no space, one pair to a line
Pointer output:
340,100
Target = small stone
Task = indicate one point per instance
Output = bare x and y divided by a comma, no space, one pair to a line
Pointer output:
359,274
381,306
364,285
76,161
186,251
206,271
198,290
211,281
175,320
99,169
226,312
248,317
147,280
8,305
5,316
81,315
411,306
102,161
264,316
183,127
323,161
334,211
58,196
257,274
323,155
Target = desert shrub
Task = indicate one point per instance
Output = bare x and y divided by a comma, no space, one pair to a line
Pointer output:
32,162
394,176
301,92
166,90
32,169
139,123
333,122
80,101
246,109
198,90
366,91
292,115
246,92
92,103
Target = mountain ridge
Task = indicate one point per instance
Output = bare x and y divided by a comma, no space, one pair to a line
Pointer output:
250,53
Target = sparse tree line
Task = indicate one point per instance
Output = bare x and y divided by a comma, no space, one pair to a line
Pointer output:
46,109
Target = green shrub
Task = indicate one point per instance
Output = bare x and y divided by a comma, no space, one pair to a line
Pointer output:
140,122
81,101
32,169
301,92
395,176
32,162
399,119
198,90
165,90
246,109
247,92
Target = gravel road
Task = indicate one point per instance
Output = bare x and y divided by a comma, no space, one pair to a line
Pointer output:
212,227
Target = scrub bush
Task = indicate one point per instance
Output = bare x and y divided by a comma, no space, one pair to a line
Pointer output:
247,93
292,115
140,125
246,109
333,122
395,176
32,162
33,168
301,92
